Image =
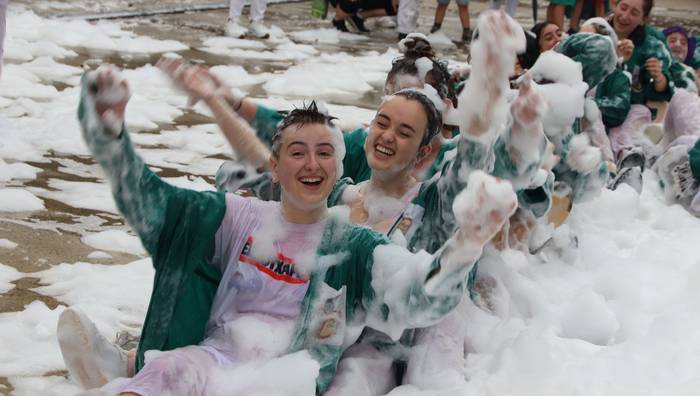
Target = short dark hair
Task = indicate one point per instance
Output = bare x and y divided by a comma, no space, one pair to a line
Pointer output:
307,114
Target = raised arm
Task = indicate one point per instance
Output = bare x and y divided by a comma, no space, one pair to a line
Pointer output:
417,290
200,84
140,195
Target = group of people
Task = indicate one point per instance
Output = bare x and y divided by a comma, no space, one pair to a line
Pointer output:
362,247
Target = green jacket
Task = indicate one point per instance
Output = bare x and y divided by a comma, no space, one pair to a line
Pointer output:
694,159
683,76
613,97
596,54
695,60
374,284
648,46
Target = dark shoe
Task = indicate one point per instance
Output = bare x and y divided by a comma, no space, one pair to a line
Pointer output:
466,35
358,23
634,158
402,36
435,28
340,25
631,176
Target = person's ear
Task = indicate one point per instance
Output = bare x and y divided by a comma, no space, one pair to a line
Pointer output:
424,151
273,169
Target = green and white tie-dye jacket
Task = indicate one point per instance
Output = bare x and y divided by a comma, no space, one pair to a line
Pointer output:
646,46
370,281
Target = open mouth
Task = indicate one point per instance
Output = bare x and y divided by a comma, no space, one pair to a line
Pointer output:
384,151
311,181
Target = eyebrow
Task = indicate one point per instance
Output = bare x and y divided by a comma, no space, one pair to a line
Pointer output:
402,124
306,145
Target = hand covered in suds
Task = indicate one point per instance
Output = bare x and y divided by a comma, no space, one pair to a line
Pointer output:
582,157
529,106
517,234
482,208
198,82
483,102
110,93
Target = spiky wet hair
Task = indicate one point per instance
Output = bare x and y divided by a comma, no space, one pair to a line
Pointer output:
307,114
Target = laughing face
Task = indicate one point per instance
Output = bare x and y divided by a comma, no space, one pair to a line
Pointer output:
629,14
679,46
395,135
306,166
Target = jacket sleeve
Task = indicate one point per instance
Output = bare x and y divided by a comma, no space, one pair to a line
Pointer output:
414,290
613,99
265,123
140,195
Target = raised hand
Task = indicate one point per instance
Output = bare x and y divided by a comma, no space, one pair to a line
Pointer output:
195,80
529,106
483,208
493,56
110,93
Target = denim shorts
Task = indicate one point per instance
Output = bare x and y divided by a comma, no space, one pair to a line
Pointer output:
459,2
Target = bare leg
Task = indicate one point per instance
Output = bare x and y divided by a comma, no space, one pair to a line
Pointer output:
339,14
576,16
440,13
463,16
555,15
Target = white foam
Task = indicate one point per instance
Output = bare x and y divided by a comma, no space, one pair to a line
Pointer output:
7,244
19,200
114,241
8,275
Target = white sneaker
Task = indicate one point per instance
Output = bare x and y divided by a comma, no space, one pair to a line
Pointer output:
92,361
233,29
257,30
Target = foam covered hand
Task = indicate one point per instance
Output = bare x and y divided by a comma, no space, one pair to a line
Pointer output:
109,92
583,157
529,106
195,80
482,209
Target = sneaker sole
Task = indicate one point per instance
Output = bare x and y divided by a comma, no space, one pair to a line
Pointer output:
77,348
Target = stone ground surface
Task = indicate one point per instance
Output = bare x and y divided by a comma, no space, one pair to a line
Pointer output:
53,236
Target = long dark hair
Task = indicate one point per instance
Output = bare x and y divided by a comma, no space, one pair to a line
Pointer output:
438,76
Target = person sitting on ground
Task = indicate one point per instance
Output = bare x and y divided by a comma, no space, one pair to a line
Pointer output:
612,95
685,70
648,62
548,35
356,12
462,9
214,247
